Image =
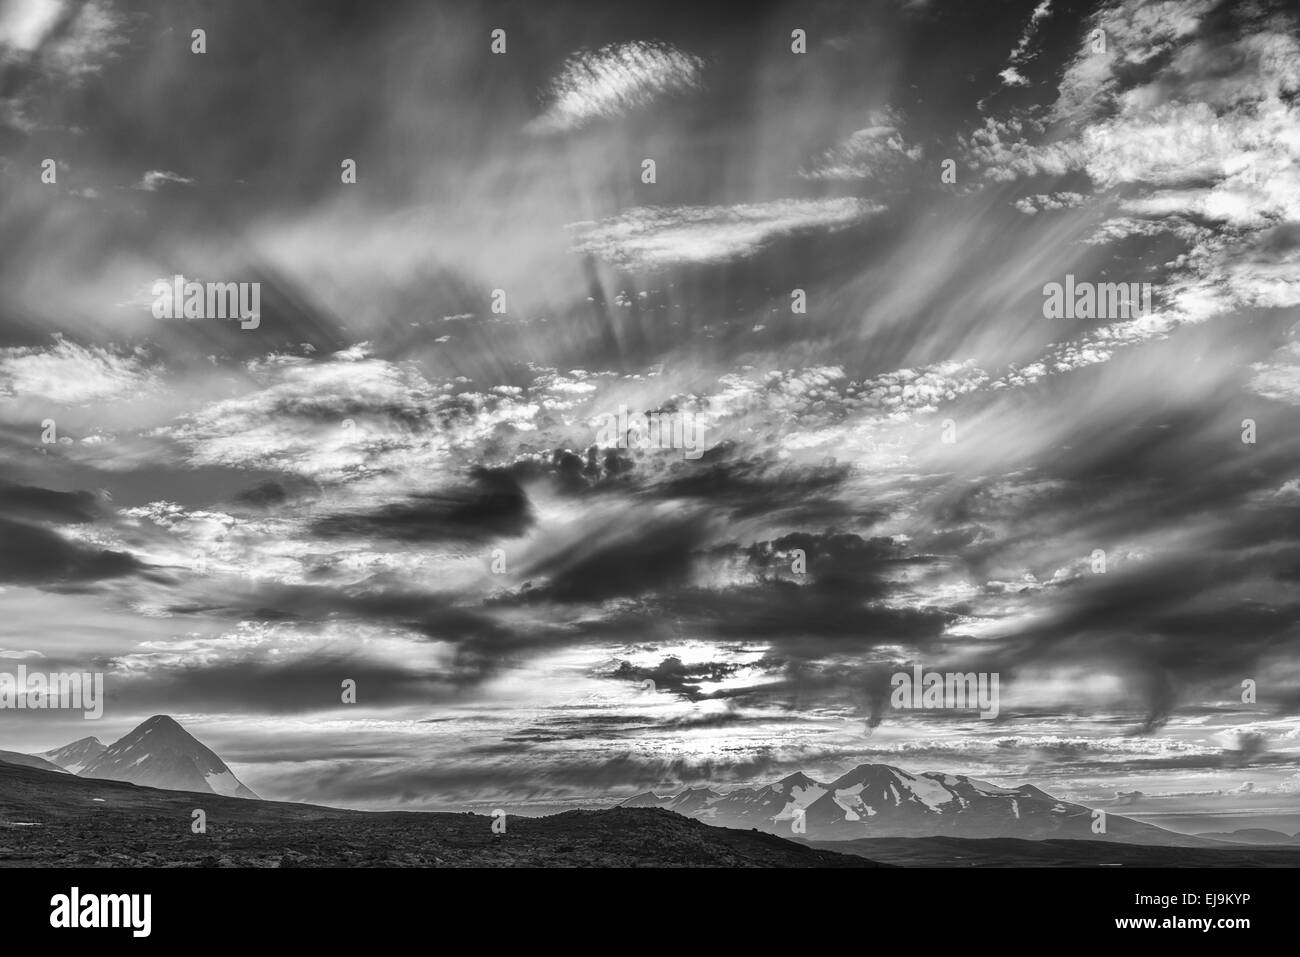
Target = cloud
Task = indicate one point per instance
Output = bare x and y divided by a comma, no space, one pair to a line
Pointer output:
1136,33
47,46
63,39
282,667
1030,205
331,418
30,554
1013,77
1176,141
671,674
24,24
155,179
71,374
1279,377
90,38
613,81
873,152
1035,18
602,559
656,237
29,501
493,506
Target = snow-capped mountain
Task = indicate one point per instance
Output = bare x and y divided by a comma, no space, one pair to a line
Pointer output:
161,754
75,756
877,800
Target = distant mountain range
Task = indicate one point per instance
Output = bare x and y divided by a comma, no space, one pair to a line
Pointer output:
158,753
877,800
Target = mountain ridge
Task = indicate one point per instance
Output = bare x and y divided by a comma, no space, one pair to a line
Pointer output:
75,756
883,801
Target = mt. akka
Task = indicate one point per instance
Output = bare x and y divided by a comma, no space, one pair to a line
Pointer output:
161,754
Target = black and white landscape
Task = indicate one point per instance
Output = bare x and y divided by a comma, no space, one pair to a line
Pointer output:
837,435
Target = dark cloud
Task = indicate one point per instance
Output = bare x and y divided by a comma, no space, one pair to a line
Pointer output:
32,555
754,486
274,493
41,504
639,557
674,676
491,506
269,686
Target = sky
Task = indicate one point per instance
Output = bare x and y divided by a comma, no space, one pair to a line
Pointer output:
394,474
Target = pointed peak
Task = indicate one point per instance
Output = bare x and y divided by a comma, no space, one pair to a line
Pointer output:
797,780
643,798
160,721
161,724
873,775
874,770
1033,791
154,732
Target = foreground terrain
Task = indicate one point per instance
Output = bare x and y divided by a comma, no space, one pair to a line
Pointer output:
51,819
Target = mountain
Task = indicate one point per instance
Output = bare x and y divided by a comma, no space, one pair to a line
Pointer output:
75,756
28,761
877,800
161,754
692,800
644,799
53,819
